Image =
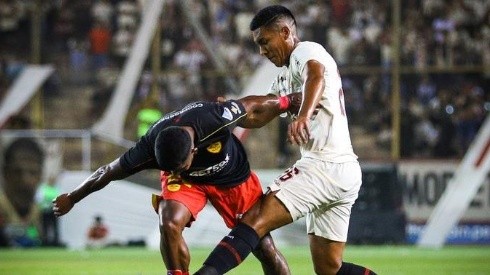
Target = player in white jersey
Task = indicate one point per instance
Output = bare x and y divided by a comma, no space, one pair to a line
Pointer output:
322,185
329,137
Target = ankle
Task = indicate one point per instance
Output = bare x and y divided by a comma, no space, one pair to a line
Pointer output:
177,272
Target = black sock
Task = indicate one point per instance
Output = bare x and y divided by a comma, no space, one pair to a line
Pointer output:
352,269
233,249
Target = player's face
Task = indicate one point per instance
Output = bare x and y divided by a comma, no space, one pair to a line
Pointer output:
272,43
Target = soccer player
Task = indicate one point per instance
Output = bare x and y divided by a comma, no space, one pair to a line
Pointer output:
324,183
202,160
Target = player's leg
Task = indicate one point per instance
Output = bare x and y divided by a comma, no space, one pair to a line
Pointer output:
326,254
353,269
328,226
271,259
173,217
233,250
327,258
179,204
266,215
291,196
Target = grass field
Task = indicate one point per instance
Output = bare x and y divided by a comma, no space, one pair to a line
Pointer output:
383,259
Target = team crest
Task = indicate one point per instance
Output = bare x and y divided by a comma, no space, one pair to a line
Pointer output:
214,148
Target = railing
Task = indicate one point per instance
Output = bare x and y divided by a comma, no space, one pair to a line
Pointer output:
84,135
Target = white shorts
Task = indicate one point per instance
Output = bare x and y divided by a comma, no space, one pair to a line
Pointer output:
322,191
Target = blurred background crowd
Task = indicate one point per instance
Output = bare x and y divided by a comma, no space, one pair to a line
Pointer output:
444,54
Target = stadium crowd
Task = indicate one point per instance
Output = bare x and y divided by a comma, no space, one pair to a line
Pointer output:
444,54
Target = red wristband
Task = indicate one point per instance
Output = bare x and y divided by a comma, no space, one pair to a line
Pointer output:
283,103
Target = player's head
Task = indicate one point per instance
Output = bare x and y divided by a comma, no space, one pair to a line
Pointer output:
274,31
98,219
174,149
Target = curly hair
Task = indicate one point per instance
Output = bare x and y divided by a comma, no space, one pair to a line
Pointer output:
172,146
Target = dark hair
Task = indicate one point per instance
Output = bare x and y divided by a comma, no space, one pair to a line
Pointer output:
172,146
268,15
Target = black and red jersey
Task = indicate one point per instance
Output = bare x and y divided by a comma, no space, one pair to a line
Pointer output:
220,159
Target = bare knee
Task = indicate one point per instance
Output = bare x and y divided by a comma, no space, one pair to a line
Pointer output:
171,227
173,218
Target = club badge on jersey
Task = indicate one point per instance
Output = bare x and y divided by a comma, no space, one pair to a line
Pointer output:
214,148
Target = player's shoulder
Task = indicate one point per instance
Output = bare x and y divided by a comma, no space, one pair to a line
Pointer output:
305,46
308,50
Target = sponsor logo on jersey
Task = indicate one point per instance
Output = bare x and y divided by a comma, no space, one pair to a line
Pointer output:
214,148
227,114
211,170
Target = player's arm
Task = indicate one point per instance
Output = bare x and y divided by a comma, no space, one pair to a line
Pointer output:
314,84
262,109
98,180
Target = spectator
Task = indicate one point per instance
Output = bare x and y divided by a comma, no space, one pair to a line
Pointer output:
147,116
426,90
63,29
100,39
10,15
442,113
102,11
97,234
19,214
190,59
127,14
121,44
78,60
46,193
340,43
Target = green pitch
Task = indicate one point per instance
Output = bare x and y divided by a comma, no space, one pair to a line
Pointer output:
391,260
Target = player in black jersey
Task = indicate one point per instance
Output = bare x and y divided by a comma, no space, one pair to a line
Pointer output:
200,160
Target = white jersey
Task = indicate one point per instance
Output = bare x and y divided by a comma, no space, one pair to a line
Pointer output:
329,133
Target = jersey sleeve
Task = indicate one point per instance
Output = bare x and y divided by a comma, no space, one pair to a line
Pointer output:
214,119
139,157
305,52
231,112
274,89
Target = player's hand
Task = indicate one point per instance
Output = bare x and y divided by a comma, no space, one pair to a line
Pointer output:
62,205
221,99
295,100
299,131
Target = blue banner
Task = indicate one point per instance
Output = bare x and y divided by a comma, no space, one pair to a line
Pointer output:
460,234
